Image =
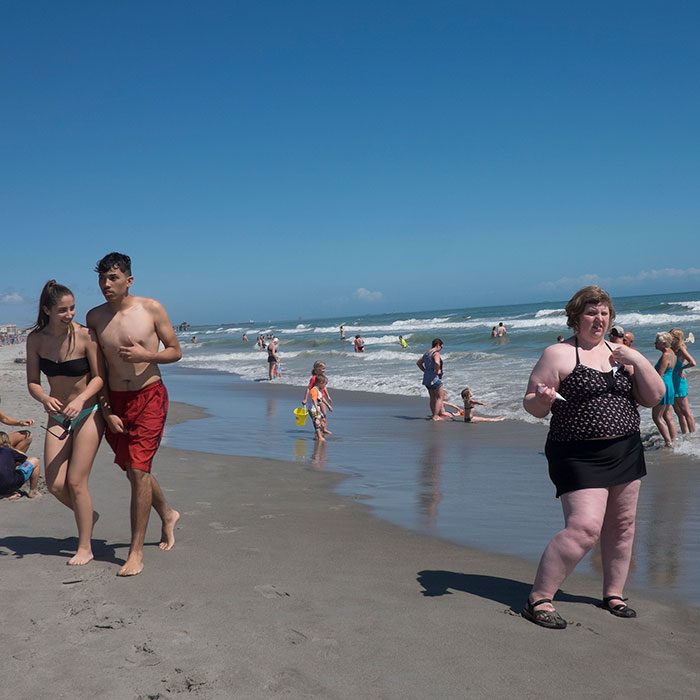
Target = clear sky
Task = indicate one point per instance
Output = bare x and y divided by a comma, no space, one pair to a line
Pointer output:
263,159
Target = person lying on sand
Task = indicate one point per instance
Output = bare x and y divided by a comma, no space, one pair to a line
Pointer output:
468,411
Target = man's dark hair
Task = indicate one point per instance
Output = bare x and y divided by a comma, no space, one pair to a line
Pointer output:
437,342
118,260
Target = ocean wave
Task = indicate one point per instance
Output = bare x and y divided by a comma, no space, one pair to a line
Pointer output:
384,339
549,312
660,320
692,305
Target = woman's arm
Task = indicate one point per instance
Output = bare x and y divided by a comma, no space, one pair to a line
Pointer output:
97,372
689,359
49,403
647,385
543,383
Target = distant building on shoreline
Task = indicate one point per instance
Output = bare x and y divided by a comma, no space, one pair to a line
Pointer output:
9,334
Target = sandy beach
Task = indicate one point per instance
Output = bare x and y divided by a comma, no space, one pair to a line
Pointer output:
279,587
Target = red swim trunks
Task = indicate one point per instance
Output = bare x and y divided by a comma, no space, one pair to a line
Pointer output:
143,413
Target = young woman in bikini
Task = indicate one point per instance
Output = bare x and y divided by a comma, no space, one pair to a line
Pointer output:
68,354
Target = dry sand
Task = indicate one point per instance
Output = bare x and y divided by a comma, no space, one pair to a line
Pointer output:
277,587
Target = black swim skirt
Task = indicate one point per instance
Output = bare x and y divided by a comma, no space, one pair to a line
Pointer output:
595,464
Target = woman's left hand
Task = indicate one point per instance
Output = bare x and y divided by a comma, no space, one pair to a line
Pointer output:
623,355
72,409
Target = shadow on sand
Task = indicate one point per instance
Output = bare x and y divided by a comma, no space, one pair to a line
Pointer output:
502,590
20,547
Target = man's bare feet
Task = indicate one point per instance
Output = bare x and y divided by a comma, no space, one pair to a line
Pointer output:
167,536
132,567
80,558
12,497
33,493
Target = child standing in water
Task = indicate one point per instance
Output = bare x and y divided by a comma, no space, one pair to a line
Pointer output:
317,400
319,369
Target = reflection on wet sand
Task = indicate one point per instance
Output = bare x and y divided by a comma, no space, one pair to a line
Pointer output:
318,459
300,450
429,494
667,526
271,408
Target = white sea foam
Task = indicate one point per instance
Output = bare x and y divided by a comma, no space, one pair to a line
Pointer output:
660,320
692,305
384,339
549,312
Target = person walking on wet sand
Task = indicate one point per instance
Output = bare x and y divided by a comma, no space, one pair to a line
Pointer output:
129,329
594,451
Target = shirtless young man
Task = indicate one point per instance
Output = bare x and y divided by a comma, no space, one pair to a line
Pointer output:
129,330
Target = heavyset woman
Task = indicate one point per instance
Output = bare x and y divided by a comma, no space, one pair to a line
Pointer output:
68,354
594,450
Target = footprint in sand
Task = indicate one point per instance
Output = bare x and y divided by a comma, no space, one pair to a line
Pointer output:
294,681
184,682
327,648
143,655
268,590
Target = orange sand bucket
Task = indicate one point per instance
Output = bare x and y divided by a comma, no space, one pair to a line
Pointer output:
301,414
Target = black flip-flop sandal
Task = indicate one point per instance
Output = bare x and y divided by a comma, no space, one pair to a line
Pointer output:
619,610
550,619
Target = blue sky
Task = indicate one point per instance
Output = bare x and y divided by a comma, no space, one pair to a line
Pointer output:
275,160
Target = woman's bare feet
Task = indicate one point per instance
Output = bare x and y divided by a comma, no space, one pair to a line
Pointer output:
80,558
167,536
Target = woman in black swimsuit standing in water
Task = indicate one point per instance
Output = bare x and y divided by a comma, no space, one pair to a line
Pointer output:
68,354
594,450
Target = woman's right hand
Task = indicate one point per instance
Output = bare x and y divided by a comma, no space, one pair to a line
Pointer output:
52,404
545,395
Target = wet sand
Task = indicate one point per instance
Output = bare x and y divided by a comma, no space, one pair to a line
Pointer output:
279,587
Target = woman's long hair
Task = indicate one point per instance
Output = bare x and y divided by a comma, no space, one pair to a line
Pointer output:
48,298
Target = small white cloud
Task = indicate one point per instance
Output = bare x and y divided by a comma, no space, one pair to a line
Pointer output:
568,282
642,276
11,298
365,295
663,273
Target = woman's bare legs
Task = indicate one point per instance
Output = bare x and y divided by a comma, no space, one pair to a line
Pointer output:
86,440
584,513
664,422
685,415
617,536
68,465
56,455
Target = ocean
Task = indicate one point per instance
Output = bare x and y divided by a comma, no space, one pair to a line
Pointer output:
496,369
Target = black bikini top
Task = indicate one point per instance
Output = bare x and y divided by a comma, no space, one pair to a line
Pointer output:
69,368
